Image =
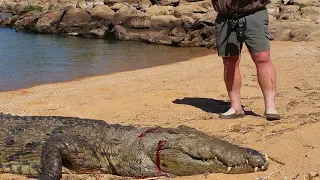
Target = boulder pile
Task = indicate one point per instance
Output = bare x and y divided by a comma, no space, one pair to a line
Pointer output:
170,22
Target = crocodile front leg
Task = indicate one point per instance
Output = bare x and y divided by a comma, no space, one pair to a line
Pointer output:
74,153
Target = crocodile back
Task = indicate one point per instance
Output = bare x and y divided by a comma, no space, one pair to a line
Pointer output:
22,139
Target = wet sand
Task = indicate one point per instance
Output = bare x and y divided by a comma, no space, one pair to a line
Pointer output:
192,93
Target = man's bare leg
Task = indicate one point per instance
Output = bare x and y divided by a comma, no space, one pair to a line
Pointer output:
232,79
267,81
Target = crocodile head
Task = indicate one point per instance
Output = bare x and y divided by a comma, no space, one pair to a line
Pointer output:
186,151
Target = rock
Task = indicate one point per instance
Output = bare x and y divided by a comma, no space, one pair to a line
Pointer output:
99,33
166,2
290,12
65,3
144,5
84,4
190,8
273,10
77,22
193,0
5,22
138,22
51,7
178,32
8,6
156,10
311,12
304,3
9,21
98,2
294,31
165,21
27,21
48,22
117,6
125,11
158,36
204,37
75,17
131,2
102,12
187,22
19,9
111,2
206,18
47,7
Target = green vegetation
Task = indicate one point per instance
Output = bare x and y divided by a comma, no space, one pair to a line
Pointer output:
30,8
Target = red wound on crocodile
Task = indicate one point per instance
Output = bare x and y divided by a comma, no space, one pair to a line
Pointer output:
147,131
160,144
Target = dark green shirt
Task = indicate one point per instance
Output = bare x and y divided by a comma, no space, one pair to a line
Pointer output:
238,6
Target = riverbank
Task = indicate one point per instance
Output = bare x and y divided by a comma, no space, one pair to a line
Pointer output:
184,23
192,93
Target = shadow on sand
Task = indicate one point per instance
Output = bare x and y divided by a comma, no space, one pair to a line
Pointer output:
209,105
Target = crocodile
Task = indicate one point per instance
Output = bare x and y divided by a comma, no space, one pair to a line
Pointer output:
44,146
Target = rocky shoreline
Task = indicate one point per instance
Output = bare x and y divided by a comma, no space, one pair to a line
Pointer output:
184,23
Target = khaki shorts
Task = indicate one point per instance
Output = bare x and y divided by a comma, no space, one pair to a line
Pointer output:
257,35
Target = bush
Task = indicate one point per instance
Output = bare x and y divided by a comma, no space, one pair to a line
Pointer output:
30,8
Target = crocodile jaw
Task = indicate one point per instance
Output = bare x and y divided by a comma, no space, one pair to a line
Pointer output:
179,163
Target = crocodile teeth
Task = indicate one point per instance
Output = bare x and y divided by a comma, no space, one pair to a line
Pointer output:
216,158
255,169
262,167
247,161
229,169
266,156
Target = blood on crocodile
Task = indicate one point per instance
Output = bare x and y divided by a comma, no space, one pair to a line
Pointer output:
160,144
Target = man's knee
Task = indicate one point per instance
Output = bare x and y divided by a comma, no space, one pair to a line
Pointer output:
261,57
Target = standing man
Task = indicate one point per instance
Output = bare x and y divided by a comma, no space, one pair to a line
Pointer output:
238,22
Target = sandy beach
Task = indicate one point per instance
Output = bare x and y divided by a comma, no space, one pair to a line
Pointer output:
192,93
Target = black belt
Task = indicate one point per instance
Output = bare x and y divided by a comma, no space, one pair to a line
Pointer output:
236,16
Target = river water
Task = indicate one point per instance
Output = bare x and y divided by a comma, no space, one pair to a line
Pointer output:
28,59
